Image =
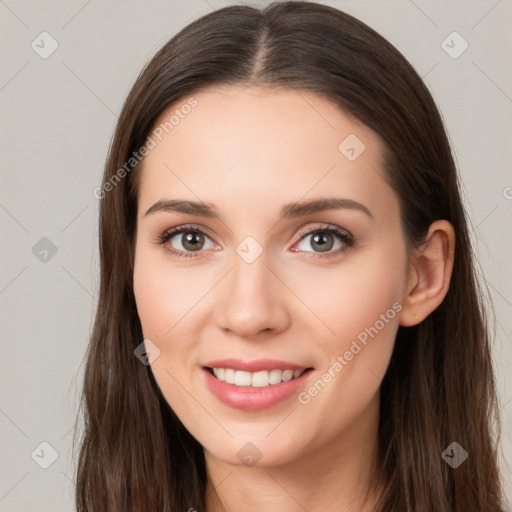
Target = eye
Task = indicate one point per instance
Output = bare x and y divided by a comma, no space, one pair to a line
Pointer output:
184,241
189,241
330,240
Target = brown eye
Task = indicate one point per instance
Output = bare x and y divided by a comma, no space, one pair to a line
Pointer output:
192,240
185,241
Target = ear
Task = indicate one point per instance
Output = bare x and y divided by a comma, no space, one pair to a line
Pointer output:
429,274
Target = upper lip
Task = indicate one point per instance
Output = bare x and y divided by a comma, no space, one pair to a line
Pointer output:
255,365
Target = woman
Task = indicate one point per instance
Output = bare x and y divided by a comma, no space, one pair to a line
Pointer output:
288,314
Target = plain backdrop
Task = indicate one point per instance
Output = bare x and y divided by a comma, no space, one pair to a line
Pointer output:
58,114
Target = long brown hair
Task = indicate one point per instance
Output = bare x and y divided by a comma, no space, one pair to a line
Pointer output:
135,454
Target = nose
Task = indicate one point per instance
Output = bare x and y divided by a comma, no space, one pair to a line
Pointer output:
252,300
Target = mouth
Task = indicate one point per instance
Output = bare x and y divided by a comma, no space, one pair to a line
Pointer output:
258,379
254,385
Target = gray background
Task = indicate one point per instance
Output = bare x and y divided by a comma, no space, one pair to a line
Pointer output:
58,115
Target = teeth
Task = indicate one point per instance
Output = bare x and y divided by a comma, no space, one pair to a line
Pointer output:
219,373
260,379
257,379
242,379
275,376
287,375
229,376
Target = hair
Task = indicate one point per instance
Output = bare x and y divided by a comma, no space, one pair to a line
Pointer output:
135,454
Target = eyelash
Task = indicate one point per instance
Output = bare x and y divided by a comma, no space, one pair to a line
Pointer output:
342,236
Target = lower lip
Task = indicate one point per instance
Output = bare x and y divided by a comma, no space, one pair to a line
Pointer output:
253,399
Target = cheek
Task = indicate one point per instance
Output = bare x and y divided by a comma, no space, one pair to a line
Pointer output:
164,295
165,298
151,300
172,307
360,307
354,296
364,314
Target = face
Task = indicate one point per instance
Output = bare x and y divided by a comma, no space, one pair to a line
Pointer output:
275,322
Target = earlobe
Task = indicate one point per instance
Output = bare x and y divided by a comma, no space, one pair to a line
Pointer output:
430,274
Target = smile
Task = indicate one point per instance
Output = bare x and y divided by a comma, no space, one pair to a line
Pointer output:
255,379
254,385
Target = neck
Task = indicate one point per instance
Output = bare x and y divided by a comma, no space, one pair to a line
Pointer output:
332,478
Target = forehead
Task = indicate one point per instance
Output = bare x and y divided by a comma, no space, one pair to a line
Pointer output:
241,144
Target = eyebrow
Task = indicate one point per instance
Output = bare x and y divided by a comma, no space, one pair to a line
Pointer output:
290,210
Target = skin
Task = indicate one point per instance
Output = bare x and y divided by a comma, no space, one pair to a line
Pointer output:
249,151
